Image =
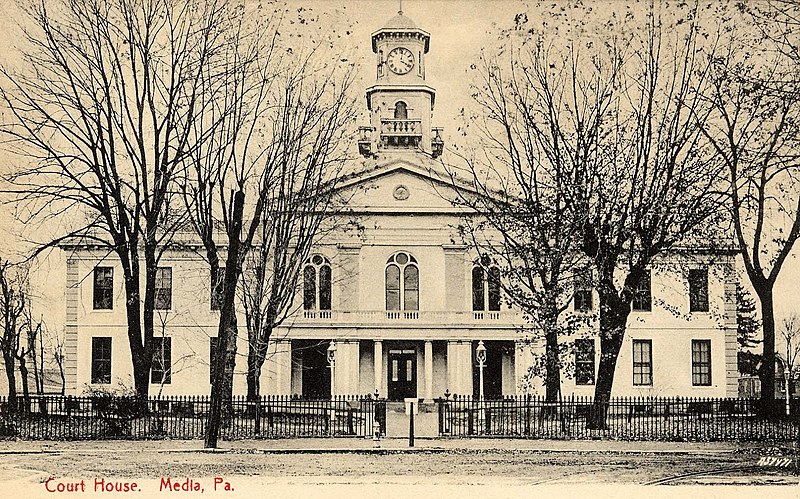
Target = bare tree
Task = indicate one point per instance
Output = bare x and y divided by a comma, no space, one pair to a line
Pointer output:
536,128
282,113
303,206
29,350
651,186
13,301
58,357
754,129
102,111
613,133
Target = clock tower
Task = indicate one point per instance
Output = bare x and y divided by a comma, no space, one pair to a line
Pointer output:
400,102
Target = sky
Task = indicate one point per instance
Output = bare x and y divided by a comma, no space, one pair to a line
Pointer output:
458,29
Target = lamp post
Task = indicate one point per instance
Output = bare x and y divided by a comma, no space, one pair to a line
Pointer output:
786,374
480,354
332,362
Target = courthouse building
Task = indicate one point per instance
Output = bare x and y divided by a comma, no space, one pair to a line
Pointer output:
400,305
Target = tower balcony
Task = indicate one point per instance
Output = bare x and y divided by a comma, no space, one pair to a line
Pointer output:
400,133
397,133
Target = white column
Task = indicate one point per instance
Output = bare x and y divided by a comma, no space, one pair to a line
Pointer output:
283,367
523,360
276,375
428,371
378,367
459,367
346,368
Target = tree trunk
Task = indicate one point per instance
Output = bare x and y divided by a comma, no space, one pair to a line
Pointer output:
141,365
23,371
62,376
767,371
12,381
552,364
222,385
148,317
256,356
613,319
257,352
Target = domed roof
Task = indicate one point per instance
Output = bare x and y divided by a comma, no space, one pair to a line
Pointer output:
400,22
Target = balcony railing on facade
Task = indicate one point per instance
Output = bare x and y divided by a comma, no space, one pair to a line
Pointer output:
401,127
505,317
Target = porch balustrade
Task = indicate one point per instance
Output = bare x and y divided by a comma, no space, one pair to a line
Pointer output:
506,317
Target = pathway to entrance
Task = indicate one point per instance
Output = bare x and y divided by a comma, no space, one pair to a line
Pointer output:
426,422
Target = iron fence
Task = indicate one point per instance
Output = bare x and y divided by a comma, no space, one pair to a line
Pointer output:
106,417
626,418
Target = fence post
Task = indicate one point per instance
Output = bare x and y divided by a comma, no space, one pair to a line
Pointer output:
258,415
470,415
528,414
350,421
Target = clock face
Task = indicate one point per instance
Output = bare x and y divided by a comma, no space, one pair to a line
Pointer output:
400,60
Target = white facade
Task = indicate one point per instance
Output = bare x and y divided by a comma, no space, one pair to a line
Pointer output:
425,345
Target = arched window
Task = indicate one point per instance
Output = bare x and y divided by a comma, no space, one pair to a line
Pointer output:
400,111
317,284
486,291
402,282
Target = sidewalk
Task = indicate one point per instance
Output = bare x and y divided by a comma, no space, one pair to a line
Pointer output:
389,445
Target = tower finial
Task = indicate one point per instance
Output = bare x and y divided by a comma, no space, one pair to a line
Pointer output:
401,8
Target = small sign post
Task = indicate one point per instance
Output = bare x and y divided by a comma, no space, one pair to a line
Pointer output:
411,426
411,408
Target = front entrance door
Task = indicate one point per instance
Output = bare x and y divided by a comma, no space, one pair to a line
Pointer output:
402,374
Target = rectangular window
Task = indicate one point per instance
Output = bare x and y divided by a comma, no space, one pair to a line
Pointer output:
583,300
584,361
163,288
161,372
494,289
212,357
583,290
103,288
701,362
698,290
101,360
478,299
642,362
217,289
642,296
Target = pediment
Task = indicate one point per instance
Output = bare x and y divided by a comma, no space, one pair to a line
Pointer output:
404,185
